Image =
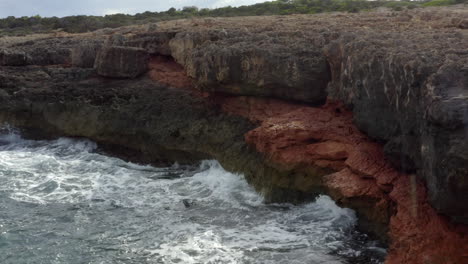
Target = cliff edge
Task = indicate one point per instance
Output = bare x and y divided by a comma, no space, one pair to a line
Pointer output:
370,108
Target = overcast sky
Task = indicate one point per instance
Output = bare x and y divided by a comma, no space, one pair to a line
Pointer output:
60,8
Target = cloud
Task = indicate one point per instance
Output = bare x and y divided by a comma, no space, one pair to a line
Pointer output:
222,3
114,11
59,8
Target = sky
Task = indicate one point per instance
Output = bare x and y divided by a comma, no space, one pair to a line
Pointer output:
60,8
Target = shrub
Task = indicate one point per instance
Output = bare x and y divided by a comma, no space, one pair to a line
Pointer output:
439,3
75,24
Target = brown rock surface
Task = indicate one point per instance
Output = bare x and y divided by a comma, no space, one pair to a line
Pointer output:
166,71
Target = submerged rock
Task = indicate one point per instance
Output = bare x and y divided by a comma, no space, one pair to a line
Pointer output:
188,203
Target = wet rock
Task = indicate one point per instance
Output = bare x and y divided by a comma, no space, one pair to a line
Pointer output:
188,203
387,201
325,141
121,62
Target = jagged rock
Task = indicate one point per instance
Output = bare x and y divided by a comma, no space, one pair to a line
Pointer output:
121,62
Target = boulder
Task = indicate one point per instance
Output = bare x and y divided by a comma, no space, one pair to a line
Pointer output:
284,66
84,56
13,58
49,54
121,62
184,43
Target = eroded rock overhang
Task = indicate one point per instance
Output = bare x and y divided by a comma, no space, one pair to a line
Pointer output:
244,93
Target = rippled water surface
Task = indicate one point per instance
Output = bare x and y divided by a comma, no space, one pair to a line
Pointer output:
61,202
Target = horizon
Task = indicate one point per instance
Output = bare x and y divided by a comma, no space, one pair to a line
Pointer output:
58,8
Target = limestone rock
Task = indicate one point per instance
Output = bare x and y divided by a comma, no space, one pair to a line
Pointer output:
84,55
152,27
116,40
50,55
152,42
281,66
121,62
183,44
13,58
405,81
411,93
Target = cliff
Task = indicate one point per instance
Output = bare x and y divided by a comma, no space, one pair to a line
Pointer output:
369,108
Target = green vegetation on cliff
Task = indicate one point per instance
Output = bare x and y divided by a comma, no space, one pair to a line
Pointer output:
76,24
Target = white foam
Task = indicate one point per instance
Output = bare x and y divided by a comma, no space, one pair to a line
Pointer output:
9,134
227,222
226,186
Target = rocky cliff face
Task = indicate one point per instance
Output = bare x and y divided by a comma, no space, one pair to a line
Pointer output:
391,142
267,64
418,96
121,62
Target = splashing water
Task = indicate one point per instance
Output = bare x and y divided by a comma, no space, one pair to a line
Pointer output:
60,202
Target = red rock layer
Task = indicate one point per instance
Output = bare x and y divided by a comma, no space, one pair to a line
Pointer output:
165,70
298,136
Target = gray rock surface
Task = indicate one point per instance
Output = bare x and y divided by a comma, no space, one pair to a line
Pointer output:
84,55
270,64
155,42
13,58
411,93
121,62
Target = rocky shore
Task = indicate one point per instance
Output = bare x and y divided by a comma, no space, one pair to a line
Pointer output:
370,108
